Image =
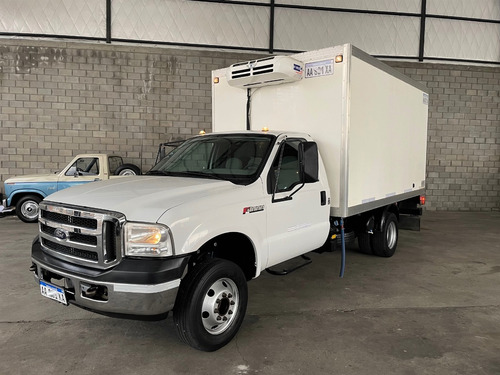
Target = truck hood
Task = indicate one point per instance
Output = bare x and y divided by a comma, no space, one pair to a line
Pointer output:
45,177
141,198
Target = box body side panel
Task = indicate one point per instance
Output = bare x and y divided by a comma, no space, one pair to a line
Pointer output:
387,136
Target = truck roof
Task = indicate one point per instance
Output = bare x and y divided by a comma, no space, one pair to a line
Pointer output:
94,155
276,133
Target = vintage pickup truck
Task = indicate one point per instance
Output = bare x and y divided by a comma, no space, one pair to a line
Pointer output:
24,193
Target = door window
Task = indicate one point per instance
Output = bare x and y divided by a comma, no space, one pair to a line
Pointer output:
84,167
288,173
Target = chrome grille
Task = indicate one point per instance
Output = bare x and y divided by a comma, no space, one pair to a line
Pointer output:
81,236
83,254
77,221
74,237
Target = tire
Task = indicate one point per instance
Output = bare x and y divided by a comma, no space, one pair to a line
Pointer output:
364,242
127,170
211,304
384,243
27,208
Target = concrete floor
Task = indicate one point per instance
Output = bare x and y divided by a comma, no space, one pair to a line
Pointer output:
433,308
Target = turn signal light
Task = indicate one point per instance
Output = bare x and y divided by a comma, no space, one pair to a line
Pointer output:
422,200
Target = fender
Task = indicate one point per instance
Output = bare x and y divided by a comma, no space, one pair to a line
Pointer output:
203,233
24,191
44,189
193,223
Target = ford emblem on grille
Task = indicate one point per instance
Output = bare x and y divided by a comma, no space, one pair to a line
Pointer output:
61,234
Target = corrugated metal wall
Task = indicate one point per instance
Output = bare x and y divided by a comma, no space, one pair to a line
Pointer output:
432,29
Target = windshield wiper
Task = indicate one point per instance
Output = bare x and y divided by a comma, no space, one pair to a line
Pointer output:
186,174
158,173
200,174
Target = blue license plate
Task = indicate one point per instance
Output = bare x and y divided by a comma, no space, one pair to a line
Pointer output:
53,292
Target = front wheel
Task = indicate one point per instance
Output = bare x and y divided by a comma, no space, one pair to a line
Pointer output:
27,208
211,304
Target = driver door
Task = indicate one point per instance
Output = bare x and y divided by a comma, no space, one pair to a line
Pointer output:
297,222
83,170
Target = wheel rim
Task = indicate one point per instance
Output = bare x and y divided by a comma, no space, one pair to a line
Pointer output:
29,210
127,172
392,235
220,306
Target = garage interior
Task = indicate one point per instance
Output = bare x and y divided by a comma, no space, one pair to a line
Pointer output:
122,77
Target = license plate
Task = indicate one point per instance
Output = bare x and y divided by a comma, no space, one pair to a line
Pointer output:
53,292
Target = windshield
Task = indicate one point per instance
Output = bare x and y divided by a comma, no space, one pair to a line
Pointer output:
238,158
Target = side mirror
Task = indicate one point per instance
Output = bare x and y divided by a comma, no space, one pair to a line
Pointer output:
309,161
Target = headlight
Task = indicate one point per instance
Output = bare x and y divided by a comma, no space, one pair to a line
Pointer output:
148,240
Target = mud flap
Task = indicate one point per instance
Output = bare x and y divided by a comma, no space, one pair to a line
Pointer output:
409,222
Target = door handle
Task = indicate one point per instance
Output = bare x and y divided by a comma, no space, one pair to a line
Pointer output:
323,197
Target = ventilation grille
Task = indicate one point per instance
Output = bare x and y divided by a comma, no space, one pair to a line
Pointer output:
267,71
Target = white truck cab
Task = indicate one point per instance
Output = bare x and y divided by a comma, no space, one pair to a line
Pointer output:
227,205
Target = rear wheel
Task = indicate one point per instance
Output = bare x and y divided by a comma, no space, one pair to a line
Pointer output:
384,243
364,242
27,208
211,304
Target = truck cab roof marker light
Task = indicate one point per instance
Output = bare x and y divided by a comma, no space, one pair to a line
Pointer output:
339,58
216,80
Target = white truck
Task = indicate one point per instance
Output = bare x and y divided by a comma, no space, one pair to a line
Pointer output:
225,206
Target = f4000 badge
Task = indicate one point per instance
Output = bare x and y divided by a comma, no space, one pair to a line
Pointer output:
252,209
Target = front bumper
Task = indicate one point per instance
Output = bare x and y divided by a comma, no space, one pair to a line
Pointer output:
3,207
140,288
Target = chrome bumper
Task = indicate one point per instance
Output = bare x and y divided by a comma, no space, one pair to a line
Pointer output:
126,299
4,209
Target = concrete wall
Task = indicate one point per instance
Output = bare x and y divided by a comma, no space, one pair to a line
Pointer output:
463,153
60,99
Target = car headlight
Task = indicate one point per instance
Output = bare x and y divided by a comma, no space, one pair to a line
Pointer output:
148,240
